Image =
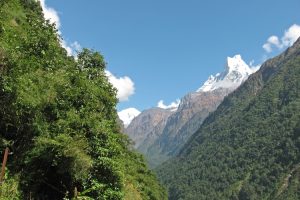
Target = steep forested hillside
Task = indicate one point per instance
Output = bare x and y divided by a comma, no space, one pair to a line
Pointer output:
58,118
249,148
159,134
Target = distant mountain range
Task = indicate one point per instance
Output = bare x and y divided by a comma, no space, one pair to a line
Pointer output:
249,147
159,133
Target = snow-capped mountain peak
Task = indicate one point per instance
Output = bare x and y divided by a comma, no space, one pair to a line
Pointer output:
236,72
128,115
236,63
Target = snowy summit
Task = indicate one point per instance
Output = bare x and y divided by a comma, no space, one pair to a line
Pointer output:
236,72
128,115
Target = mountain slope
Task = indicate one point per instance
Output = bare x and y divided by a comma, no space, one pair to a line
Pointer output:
58,118
194,108
147,125
179,125
247,148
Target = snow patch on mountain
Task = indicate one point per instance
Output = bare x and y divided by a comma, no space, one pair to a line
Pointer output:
128,115
236,72
172,106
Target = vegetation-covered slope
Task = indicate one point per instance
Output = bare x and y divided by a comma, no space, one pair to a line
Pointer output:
249,147
58,117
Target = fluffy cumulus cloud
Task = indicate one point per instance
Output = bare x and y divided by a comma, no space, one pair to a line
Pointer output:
174,104
52,15
272,41
124,85
289,37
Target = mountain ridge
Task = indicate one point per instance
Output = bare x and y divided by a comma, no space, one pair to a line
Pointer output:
193,108
247,147
144,125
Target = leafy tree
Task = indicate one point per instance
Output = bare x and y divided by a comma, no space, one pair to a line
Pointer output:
59,117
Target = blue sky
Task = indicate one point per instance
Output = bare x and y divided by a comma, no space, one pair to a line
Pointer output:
169,47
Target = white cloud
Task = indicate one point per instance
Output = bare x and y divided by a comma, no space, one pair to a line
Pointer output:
174,104
251,63
124,85
72,49
254,67
274,40
128,115
76,46
267,47
66,47
289,37
52,15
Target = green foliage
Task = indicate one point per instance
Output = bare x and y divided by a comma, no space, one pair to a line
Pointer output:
140,181
9,188
59,119
249,147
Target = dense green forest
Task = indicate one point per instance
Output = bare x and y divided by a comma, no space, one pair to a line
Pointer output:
249,148
58,118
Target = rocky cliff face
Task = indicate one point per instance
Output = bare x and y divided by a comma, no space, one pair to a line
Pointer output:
190,115
148,125
160,133
180,125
